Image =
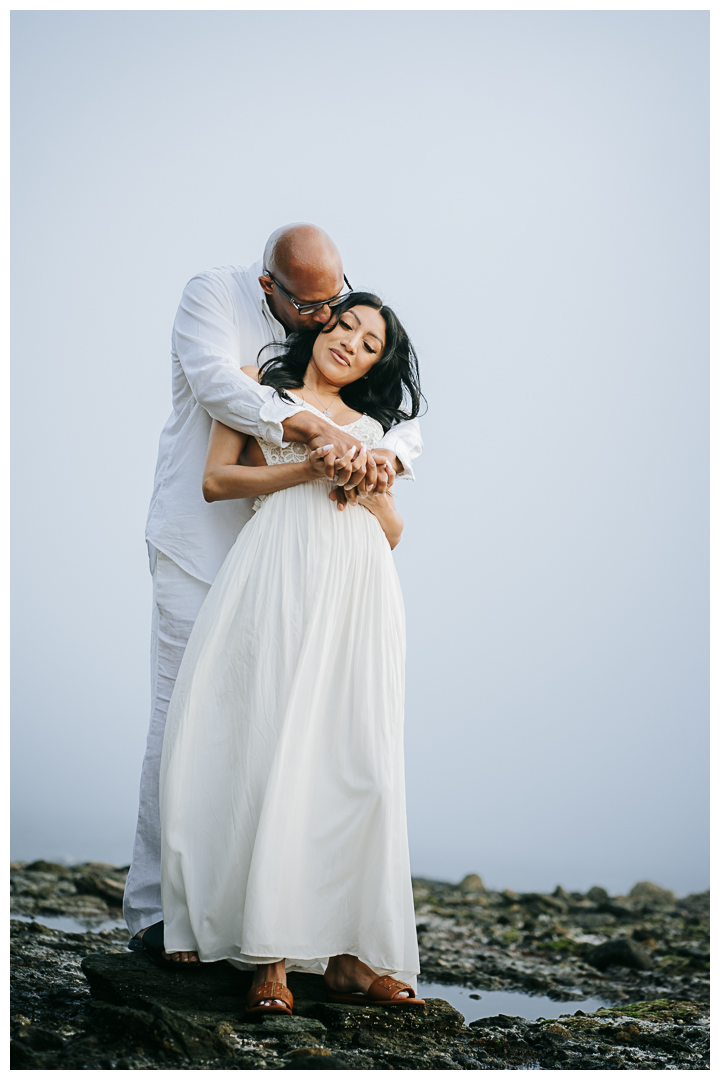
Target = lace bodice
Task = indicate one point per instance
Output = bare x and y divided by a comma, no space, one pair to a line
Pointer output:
367,431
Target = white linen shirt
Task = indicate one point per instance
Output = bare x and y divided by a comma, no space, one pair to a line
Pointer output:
222,323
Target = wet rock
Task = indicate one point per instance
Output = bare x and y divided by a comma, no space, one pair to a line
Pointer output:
623,952
158,1030
98,883
501,1020
90,892
651,1035
316,1062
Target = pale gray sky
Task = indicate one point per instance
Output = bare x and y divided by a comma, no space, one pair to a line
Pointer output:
530,191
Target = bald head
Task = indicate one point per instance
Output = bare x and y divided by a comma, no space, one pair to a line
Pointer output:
301,249
306,264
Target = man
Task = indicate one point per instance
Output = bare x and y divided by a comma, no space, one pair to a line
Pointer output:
225,317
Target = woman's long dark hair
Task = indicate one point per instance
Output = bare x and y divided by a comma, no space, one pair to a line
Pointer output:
391,389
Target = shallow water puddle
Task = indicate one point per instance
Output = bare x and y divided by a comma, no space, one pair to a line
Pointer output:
68,925
510,1002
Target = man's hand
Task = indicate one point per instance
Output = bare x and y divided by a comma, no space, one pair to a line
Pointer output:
307,427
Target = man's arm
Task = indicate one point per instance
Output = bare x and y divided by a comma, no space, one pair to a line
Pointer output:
404,440
206,340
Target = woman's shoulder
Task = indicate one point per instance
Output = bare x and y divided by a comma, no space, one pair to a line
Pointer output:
251,372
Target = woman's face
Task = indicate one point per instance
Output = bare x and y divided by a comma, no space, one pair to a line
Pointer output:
348,351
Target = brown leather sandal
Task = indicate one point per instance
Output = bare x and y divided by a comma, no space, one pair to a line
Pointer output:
269,992
384,991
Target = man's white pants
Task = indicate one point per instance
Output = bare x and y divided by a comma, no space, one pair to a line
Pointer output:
177,599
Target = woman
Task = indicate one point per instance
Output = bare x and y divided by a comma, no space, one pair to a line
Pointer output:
282,783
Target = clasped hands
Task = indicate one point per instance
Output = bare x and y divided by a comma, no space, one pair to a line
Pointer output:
359,474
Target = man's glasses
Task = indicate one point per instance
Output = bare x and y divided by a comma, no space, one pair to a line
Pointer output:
308,309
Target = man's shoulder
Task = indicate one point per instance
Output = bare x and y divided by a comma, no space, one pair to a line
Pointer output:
237,276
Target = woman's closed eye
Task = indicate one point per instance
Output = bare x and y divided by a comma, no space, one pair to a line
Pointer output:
372,351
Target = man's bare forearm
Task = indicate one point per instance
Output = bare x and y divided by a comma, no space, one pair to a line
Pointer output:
306,427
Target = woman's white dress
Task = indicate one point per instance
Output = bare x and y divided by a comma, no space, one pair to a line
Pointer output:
282,785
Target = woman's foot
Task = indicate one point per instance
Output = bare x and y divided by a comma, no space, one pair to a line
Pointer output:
177,957
347,975
270,973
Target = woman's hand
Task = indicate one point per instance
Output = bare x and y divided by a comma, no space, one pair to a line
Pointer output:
316,460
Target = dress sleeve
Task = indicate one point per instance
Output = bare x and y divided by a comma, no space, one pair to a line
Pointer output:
206,339
405,441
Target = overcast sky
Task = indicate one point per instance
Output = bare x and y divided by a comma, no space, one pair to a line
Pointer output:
530,191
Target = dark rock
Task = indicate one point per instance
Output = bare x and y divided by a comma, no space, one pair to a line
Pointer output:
316,1062
161,1029
291,1025
643,933
591,920
501,1020
696,903
369,1041
623,952
435,1017
597,894
620,911
558,994
105,888
94,880
38,1038
43,867
542,903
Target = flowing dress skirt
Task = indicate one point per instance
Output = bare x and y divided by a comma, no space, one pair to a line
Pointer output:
282,790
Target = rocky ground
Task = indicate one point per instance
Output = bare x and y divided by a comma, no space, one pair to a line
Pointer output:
81,1000
566,945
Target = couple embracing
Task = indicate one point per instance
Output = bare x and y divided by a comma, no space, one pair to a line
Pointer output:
272,829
